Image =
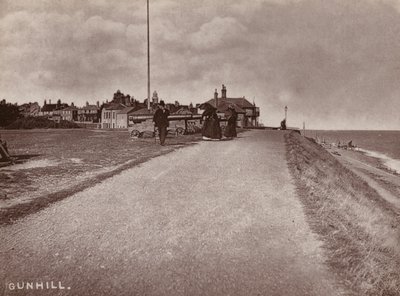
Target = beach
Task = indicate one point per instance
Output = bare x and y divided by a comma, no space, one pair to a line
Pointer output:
371,169
375,145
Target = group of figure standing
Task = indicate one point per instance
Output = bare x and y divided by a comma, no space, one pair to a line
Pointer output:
211,126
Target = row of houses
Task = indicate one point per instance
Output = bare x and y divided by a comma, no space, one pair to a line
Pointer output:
119,116
124,110
62,111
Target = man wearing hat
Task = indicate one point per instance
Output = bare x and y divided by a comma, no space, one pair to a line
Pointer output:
160,119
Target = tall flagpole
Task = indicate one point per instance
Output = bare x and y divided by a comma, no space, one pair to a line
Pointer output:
148,57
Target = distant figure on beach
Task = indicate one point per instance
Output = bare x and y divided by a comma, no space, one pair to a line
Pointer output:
211,128
283,124
230,129
160,119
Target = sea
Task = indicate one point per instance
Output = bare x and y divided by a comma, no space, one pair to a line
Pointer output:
384,145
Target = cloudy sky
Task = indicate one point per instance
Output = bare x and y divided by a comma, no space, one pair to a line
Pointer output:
334,63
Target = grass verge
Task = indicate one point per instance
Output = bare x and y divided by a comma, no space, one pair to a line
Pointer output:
9,215
360,229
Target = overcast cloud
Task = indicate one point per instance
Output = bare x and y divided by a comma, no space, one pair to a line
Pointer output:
334,63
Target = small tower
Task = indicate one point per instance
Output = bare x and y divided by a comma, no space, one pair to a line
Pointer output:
223,92
155,98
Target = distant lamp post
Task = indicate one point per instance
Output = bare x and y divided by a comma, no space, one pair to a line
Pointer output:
148,57
286,108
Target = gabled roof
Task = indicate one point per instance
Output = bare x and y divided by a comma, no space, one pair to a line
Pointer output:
143,111
241,102
115,106
126,110
90,107
53,107
49,107
223,105
70,108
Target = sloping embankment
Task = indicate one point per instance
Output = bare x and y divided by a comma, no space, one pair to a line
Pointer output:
360,230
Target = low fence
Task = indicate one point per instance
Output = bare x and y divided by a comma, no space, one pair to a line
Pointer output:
178,124
90,125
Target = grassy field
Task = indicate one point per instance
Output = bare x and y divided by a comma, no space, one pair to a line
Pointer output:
359,228
57,163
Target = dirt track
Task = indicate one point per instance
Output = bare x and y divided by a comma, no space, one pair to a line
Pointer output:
217,218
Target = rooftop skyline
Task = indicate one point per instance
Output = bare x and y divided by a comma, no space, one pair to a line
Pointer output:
335,64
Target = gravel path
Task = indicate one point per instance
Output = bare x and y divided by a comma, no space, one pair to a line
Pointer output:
217,218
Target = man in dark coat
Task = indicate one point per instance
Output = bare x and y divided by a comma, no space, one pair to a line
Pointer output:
160,119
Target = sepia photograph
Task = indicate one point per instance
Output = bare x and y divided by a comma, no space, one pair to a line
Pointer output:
200,147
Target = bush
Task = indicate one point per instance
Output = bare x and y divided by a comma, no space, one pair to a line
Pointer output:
40,122
8,114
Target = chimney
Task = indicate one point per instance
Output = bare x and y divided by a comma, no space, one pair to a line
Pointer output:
98,104
72,104
223,92
216,97
87,104
49,102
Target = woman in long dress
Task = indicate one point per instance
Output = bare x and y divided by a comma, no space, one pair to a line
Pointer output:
230,129
211,128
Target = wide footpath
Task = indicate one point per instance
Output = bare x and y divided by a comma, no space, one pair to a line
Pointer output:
216,218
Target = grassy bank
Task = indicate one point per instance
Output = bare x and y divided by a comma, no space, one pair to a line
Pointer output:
58,163
359,228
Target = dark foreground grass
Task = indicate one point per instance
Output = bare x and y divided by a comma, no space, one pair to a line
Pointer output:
65,162
360,230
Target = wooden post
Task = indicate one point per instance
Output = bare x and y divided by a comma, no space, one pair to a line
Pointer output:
148,57
286,108
4,155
